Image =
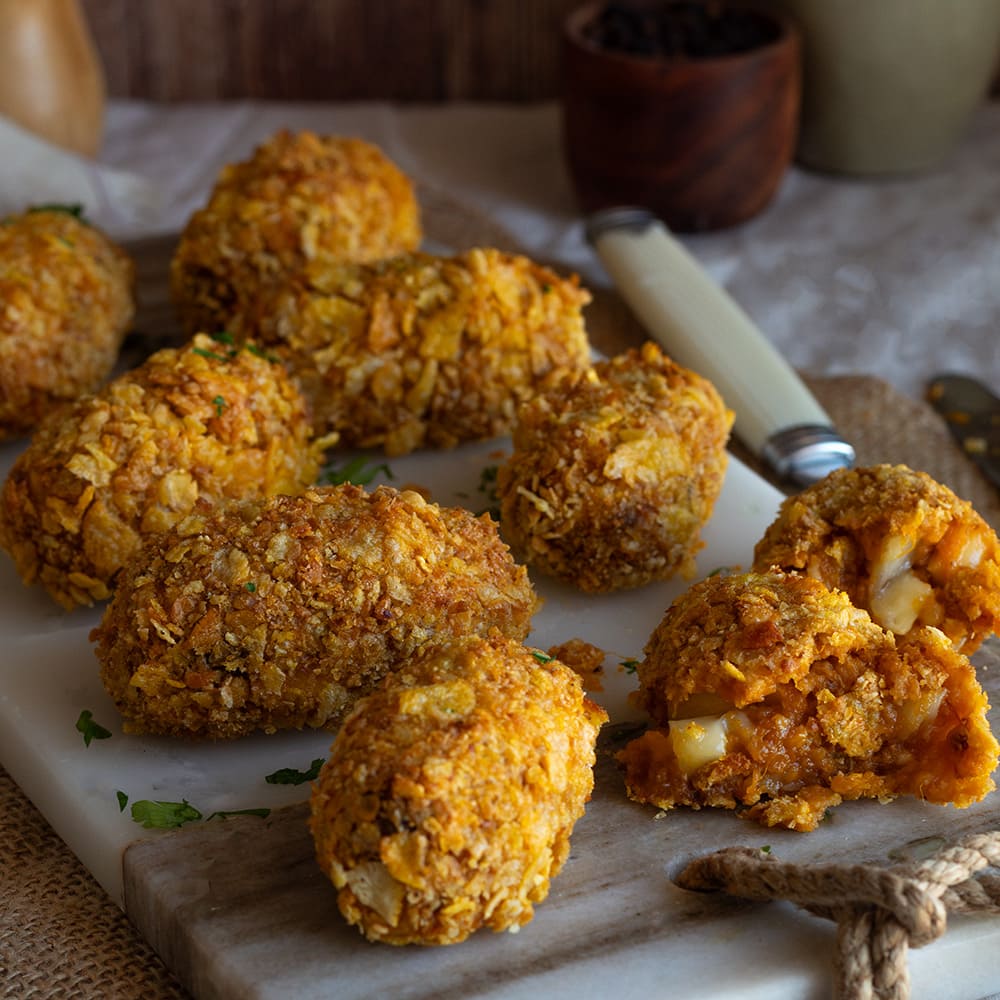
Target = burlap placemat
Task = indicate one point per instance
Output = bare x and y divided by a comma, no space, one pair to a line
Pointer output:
61,937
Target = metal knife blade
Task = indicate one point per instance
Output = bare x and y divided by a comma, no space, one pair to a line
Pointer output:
702,328
972,413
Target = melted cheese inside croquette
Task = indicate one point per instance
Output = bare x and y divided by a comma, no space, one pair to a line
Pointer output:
451,791
901,545
771,694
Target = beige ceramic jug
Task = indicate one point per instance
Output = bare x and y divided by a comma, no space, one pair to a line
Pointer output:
889,85
51,81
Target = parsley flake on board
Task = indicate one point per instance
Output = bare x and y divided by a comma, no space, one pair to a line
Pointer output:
89,729
488,487
360,471
291,776
629,666
122,800
163,815
156,815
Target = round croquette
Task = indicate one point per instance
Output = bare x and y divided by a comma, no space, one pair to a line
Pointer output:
903,546
774,695
424,351
206,421
615,471
279,613
66,302
301,204
451,791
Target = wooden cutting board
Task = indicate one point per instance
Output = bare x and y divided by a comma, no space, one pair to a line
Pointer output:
240,909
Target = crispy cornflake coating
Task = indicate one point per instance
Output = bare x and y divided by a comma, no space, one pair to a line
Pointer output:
424,351
280,613
450,793
903,547
65,305
205,421
776,696
615,472
301,204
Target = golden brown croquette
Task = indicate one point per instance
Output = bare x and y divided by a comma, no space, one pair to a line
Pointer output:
615,471
451,791
424,351
279,613
66,302
206,421
299,205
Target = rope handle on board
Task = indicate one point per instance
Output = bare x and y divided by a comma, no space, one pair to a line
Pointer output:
879,912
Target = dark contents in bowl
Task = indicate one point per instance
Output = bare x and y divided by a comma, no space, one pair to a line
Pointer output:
679,30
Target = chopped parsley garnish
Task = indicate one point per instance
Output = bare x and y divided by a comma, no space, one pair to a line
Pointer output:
488,487
163,815
75,209
155,815
122,801
209,354
91,730
259,353
251,587
220,404
542,657
223,337
360,471
629,666
291,776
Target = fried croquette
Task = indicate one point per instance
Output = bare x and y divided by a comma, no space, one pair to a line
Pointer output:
204,421
901,545
66,302
424,351
774,695
301,204
615,471
279,613
451,792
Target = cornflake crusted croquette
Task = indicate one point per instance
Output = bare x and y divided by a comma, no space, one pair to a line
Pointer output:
451,791
205,421
424,351
65,306
777,696
615,471
280,613
901,545
301,204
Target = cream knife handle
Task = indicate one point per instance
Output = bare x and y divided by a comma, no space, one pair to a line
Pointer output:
702,328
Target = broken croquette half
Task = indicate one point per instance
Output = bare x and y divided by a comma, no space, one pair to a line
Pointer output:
615,471
902,546
773,695
451,792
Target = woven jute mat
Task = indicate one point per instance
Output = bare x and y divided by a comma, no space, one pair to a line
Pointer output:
60,935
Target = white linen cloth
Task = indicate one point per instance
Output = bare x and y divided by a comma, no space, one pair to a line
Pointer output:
896,277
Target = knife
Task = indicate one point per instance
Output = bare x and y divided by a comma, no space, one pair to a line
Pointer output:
702,328
972,413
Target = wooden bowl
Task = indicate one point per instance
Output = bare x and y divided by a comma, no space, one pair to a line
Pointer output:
702,142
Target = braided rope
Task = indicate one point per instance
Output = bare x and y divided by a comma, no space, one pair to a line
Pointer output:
880,912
